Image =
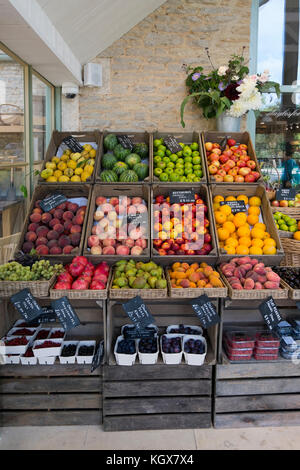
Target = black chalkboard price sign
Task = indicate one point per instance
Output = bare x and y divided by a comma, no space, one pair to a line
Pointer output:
138,312
98,356
205,311
270,313
138,219
285,194
172,144
136,333
65,313
236,206
48,316
26,305
73,144
52,201
182,197
125,141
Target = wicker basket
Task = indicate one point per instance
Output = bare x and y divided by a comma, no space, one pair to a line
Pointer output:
291,211
37,288
8,246
82,294
291,249
130,293
236,294
191,293
293,293
285,234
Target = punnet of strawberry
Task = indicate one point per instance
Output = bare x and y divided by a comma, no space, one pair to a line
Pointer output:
80,274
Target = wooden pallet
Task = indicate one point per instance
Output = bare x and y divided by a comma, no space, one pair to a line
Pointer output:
144,397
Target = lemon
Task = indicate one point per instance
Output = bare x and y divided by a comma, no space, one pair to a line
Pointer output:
81,159
87,147
78,171
71,164
76,179
51,179
57,173
55,160
46,173
90,161
64,158
75,156
63,179
51,165
89,169
68,152
84,176
84,153
62,166
68,172
92,153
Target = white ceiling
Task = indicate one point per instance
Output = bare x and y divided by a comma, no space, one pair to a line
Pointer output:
90,26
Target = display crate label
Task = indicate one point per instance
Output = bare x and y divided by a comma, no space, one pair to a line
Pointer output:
182,197
73,144
48,316
172,144
205,311
65,313
138,312
236,206
223,144
136,333
270,313
98,356
52,201
26,305
285,194
125,141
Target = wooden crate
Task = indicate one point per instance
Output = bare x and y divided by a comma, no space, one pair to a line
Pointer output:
240,138
203,191
267,216
83,137
70,192
62,394
255,393
186,138
136,137
116,190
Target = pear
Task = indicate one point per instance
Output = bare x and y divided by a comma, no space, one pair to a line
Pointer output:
139,265
149,266
121,281
146,286
131,280
121,262
152,281
131,273
161,284
154,273
139,283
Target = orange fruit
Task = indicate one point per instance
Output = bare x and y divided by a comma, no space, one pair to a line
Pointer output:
266,235
230,217
255,250
225,209
260,225
239,220
230,249
257,233
175,266
252,219
242,250
254,210
232,241
229,226
223,234
269,250
269,242
245,241
254,201
242,197
257,242
218,198
297,235
243,231
216,206
230,198
220,217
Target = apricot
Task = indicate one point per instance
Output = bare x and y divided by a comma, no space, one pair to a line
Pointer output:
185,283
194,266
208,270
215,281
271,285
175,266
249,284
193,285
201,283
203,265
42,250
36,218
215,273
179,275
195,277
208,285
46,218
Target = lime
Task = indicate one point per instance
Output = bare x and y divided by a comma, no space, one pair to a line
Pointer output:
170,165
196,160
194,146
157,142
166,160
179,154
164,177
160,153
284,227
187,152
168,152
163,148
182,145
157,171
174,177
180,160
173,157
157,159
169,171
198,173
195,154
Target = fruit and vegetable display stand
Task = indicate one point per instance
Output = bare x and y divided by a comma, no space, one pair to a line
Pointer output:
102,243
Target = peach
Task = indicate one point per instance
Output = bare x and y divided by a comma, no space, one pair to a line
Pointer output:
53,222
68,249
64,241
81,210
249,284
55,250
122,250
141,242
42,250
108,250
247,266
46,217
254,261
67,225
68,215
262,279
135,201
41,241
93,240
78,219
52,235
194,277
72,206
109,242
106,208
62,206
30,236
33,227
58,228
75,238
36,218
112,216
128,242
37,210
244,260
75,229
142,208
185,283
271,285
258,285
100,200
237,285
136,251
114,201
96,250
52,243
27,247
125,201
58,214
271,276
42,231
98,215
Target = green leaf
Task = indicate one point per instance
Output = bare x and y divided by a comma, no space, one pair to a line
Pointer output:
37,172
23,189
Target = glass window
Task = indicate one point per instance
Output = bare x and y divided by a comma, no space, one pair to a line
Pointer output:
12,146
41,101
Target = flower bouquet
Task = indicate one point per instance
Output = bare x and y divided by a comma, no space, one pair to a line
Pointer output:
229,89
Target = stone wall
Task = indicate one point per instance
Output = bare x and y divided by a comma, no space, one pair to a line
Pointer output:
144,80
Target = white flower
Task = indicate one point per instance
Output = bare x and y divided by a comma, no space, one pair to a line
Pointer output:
235,78
222,70
264,77
253,77
237,109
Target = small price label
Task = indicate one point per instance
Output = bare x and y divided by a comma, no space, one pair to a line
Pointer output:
138,312
73,144
26,305
98,356
48,316
52,201
270,313
65,313
136,333
285,194
182,197
172,144
125,141
205,311
236,206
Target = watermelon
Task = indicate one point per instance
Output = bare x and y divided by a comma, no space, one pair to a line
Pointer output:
119,167
129,176
121,153
110,141
109,176
132,159
141,149
142,170
108,161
